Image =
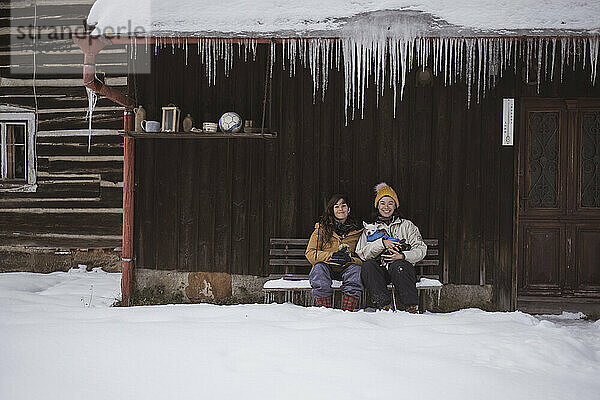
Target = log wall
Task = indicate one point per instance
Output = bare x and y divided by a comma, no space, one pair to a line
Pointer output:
78,202
61,98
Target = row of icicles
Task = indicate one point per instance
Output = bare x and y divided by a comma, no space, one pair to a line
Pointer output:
480,61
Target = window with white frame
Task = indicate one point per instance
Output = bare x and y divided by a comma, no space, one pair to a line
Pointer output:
14,151
17,151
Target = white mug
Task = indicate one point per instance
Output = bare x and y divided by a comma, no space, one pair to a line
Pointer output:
151,126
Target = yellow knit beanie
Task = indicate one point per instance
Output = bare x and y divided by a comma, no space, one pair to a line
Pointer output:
381,190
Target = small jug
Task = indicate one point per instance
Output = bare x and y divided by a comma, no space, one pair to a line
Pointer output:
140,115
188,123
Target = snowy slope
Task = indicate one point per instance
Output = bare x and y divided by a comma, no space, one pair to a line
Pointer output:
307,17
54,346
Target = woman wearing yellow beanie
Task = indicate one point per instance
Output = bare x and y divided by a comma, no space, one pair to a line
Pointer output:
384,260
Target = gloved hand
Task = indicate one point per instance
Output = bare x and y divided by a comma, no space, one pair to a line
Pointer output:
340,257
403,246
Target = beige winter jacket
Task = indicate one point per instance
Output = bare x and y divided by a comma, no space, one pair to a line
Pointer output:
398,228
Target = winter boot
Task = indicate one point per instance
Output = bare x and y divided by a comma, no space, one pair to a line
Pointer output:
349,303
324,302
414,309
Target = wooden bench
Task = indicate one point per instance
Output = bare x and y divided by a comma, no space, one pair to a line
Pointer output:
289,269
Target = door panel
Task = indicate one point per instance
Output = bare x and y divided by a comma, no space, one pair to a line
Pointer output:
544,159
542,178
543,255
588,182
587,263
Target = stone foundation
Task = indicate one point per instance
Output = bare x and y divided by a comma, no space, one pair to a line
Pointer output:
200,287
456,297
45,260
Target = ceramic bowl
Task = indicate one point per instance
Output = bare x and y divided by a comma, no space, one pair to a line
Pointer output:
209,127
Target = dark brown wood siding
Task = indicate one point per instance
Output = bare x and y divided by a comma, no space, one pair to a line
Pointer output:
212,204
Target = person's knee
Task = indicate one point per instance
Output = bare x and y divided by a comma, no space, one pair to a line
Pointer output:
320,280
319,273
319,270
401,267
368,266
352,274
352,269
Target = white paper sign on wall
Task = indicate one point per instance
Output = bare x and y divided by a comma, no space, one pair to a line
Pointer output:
508,121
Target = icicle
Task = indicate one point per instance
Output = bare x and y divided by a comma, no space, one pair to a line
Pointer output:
539,65
435,56
563,54
546,42
457,59
553,58
517,44
446,54
574,52
470,48
493,59
92,99
583,57
404,57
283,53
479,64
214,60
503,63
186,52
527,60
594,45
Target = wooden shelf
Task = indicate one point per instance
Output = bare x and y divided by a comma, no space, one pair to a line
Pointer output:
198,135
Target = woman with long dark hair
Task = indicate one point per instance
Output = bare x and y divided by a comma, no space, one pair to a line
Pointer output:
391,255
331,252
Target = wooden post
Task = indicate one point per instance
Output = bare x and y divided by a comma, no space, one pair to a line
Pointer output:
127,251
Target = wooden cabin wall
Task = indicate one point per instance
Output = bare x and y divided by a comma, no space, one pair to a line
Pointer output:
213,204
78,202
61,98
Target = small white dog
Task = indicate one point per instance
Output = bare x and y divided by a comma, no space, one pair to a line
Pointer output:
374,232
370,229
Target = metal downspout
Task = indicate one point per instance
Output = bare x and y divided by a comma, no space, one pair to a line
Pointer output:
90,47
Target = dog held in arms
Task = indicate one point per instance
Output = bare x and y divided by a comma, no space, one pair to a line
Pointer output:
375,231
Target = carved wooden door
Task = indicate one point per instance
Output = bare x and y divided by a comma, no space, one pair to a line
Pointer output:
559,198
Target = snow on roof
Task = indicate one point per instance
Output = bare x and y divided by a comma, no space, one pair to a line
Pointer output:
337,18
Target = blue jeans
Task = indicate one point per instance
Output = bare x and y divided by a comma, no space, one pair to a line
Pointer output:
321,275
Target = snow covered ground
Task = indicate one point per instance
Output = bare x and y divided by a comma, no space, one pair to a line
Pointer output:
59,339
